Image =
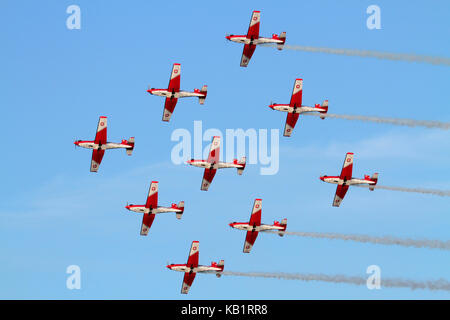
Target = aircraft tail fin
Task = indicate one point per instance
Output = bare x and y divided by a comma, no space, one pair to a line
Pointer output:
204,90
243,163
282,37
374,178
130,142
284,225
324,106
221,265
180,206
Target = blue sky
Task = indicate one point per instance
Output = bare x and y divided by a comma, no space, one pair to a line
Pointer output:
56,82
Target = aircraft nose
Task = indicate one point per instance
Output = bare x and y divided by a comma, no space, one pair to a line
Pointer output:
127,207
168,266
321,178
271,106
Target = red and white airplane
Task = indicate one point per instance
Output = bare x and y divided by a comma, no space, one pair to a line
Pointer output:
212,164
191,268
295,108
173,92
345,180
254,226
151,208
252,39
100,144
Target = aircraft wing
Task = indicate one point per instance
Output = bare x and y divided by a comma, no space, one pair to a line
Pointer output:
100,135
100,138
208,177
341,190
187,282
255,221
214,151
191,263
213,158
152,198
97,156
296,101
255,218
147,221
174,83
247,54
291,120
297,92
250,239
174,86
347,167
252,33
169,106
253,28
193,255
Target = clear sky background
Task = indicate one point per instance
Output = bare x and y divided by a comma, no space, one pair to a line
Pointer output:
56,82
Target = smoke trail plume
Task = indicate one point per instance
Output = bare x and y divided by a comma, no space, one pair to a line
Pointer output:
394,121
442,193
372,54
387,240
440,284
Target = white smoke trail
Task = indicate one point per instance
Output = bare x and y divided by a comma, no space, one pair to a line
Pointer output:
394,121
440,284
437,192
387,240
372,54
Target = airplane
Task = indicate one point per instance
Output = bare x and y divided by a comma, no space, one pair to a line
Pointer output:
254,226
345,180
212,164
191,268
173,92
252,39
295,108
151,208
100,144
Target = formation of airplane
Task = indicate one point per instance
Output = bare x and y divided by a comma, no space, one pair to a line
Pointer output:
191,268
252,39
213,163
150,209
254,226
100,144
345,180
295,108
173,92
